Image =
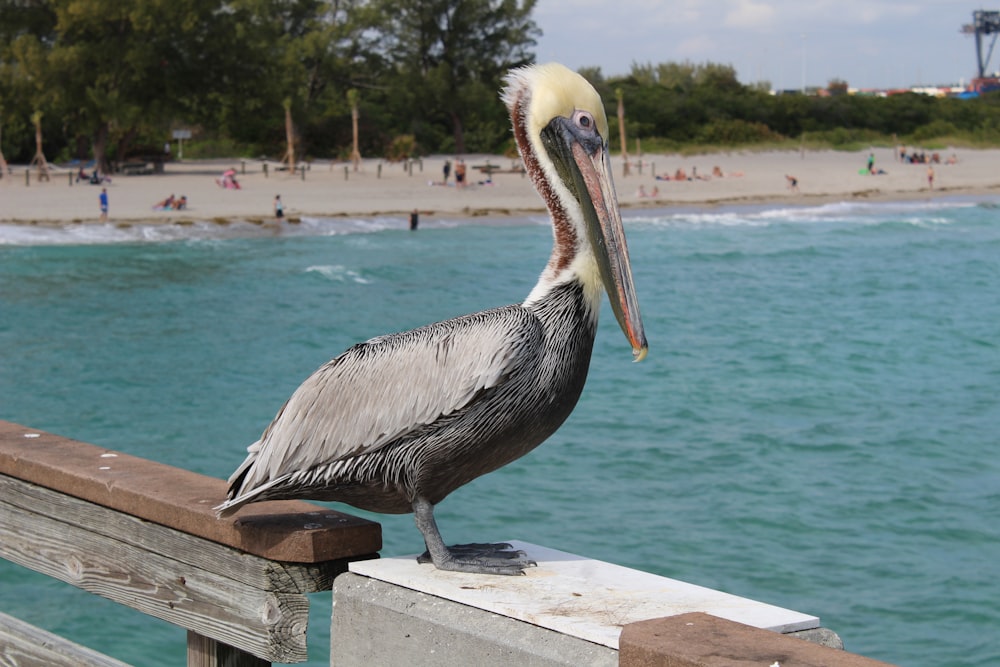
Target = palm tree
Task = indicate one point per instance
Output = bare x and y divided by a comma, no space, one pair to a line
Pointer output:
39,159
289,136
620,94
3,162
352,98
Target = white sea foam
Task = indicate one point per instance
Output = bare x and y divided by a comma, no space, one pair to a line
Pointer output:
332,226
752,216
339,273
764,215
101,234
134,233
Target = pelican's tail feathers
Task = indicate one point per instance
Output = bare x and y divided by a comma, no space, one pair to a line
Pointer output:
235,502
253,451
238,496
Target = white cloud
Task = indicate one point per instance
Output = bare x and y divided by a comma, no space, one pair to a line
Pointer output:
749,14
869,43
697,48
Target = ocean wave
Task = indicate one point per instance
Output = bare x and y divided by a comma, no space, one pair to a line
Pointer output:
109,234
115,233
338,273
322,226
920,213
916,212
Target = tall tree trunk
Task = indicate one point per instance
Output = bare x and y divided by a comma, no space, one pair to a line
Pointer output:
352,97
3,162
621,127
39,159
456,122
101,148
289,137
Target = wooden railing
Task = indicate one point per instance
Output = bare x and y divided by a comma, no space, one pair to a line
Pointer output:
145,535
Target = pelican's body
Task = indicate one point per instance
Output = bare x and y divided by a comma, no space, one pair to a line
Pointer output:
397,423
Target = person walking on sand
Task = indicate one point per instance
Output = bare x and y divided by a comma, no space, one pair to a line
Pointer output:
103,200
793,183
279,208
460,174
447,170
930,177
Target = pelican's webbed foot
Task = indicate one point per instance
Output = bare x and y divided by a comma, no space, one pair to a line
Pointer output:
476,558
499,558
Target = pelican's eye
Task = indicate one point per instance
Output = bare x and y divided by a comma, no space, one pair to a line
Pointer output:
584,120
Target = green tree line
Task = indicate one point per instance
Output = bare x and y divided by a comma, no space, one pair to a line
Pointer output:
111,78
114,77
684,105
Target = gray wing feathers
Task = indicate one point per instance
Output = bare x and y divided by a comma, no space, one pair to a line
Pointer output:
379,390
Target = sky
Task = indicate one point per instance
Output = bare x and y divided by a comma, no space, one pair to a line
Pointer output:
789,43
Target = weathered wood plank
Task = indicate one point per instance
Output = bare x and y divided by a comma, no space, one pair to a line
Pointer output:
25,645
205,652
211,556
288,531
271,625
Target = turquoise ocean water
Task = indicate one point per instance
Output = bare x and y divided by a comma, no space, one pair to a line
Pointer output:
816,425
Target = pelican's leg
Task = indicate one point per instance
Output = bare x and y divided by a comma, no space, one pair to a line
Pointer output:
477,558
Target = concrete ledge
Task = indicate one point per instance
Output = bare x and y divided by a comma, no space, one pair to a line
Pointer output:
376,623
581,597
567,611
701,640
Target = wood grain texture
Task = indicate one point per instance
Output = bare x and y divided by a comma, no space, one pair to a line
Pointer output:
287,531
24,645
269,624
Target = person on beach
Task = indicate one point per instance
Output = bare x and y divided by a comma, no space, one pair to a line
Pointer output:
793,183
103,200
228,180
460,174
279,208
930,177
166,204
447,170
871,163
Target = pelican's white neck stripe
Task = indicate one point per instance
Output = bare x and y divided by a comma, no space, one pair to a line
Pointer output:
544,92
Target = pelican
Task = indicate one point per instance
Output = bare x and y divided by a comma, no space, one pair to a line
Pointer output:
395,424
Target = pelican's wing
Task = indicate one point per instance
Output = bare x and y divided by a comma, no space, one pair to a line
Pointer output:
379,390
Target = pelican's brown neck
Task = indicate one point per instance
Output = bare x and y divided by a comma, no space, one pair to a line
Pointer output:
565,242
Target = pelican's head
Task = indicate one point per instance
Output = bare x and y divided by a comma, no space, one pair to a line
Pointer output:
562,133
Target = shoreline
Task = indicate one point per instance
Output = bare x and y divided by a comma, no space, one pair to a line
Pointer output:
386,190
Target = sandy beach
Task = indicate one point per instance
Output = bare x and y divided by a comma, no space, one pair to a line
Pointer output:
388,189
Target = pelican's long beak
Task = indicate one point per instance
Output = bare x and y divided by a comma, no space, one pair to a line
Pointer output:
607,237
586,169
